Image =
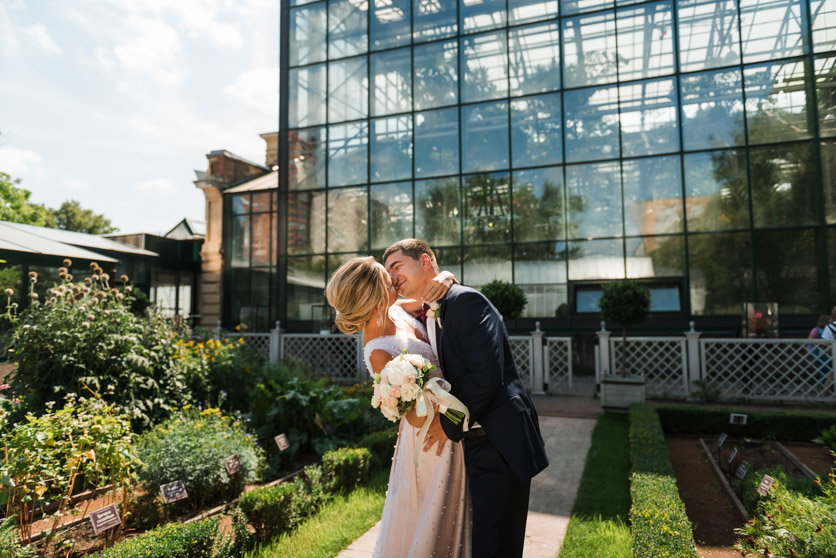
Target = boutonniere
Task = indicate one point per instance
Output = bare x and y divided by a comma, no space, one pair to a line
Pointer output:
434,313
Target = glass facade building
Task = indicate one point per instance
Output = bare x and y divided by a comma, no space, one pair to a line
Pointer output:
688,144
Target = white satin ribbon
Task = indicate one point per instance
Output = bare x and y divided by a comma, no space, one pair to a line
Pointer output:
437,390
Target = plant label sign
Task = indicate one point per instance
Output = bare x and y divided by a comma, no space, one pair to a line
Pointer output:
732,455
742,470
174,491
105,518
765,485
281,441
722,440
232,464
738,418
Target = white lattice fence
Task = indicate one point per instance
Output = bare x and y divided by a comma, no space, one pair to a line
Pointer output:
558,359
789,369
521,349
662,361
260,341
332,355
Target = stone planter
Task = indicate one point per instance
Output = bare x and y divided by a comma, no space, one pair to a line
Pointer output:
619,392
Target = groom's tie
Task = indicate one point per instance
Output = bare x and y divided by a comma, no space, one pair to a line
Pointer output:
422,313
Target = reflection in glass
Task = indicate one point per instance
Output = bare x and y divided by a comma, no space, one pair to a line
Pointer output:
307,35
538,205
591,124
348,90
776,102
828,167
348,220
347,153
347,28
391,213
597,189
655,256
824,25
306,222
720,272
535,131
391,148
526,11
306,159
485,66
648,118
436,74
437,211
772,30
449,259
260,239
306,105
716,191
708,34
390,25
437,142
645,41
487,208
540,270
831,258
784,184
712,110
589,50
241,204
787,269
481,15
826,94
261,201
240,242
652,196
305,286
392,82
433,19
483,264
534,54
485,137
568,7
596,259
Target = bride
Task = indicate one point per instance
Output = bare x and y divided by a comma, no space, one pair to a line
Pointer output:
427,509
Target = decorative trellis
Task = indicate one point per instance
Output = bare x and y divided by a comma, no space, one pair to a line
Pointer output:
260,341
337,356
522,352
662,361
558,359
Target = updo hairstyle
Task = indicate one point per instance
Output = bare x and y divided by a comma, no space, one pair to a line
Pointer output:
355,290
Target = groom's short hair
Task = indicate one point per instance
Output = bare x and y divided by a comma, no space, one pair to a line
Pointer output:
413,248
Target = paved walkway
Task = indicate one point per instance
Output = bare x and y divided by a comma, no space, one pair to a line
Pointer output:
552,491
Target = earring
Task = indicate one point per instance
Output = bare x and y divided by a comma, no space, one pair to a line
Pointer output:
379,320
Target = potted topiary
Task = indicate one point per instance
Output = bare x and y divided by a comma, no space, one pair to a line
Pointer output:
508,298
627,303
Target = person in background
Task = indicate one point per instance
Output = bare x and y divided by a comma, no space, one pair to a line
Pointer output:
828,332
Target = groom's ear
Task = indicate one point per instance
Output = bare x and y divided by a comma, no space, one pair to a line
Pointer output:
426,262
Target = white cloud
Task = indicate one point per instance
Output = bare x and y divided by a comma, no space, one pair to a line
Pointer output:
158,185
17,162
40,37
77,185
257,88
149,51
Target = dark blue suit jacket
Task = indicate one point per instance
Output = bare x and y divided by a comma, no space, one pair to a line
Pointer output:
475,356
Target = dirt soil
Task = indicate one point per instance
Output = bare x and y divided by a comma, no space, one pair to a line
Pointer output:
815,456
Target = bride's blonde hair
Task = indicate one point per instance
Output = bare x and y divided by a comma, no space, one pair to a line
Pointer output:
356,289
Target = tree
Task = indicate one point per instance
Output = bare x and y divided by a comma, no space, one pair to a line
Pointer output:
72,217
627,303
15,206
509,299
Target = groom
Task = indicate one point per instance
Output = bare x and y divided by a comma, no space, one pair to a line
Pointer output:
503,449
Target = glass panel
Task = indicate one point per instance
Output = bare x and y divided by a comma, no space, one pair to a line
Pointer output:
708,34
241,204
648,118
392,82
652,196
596,259
305,286
831,253
306,222
433,19
485,67
595,206
540,271
391,149
436,74
306,158
348,90
240,253
712,110
480,15
261,239
347,28
526,11
771,30
828,165
437,142
655,256
589,56
449,259
437,211
261,201
716,191
776,102
391,214
306,105
784,184
720,272
301,2
538,205
568,7
536,137
390,25
534,54
787,270
348,154
487,208
485,137
483,264
826,94
645,41
255,317
348,220
307,35
824,24
274,239
591,124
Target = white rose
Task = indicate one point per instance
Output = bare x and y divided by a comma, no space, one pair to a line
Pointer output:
384,390
376,398
398,370
410,392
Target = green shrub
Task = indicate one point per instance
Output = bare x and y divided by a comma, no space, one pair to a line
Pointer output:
175,540
828,437
748,486
381,446
508,298
191,446
660,526
627,303
270,510
345,468
9,545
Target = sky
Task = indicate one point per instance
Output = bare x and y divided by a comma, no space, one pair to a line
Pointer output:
115,103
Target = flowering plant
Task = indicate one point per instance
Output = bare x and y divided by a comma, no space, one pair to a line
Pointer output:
398,386
434,313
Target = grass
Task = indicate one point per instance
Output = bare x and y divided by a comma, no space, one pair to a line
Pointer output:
334,527
598,526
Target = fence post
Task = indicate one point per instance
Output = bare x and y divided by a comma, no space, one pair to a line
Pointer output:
275,342
218,331
692,373
537,365
603,364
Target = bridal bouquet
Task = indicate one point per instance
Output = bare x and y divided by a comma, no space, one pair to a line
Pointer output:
399,384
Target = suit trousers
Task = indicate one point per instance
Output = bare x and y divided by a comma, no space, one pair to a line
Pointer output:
499,500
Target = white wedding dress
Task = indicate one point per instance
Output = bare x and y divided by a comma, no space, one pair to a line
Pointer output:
427,509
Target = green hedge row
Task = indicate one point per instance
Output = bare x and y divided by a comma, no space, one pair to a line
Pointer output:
660,526
175,540
779,425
